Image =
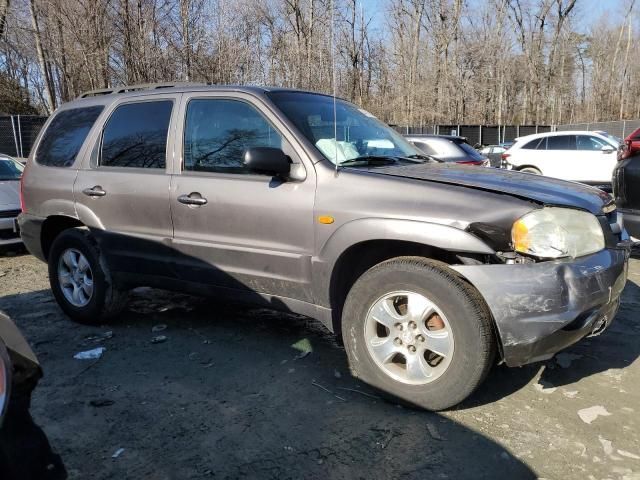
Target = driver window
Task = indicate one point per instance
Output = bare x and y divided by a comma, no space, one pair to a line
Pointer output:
585,142
218,131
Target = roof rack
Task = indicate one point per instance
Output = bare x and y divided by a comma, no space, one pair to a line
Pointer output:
138,87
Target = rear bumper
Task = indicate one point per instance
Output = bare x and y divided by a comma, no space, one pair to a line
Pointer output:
30,229
631,221
541,308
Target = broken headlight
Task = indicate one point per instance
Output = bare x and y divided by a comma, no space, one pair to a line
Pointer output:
554,232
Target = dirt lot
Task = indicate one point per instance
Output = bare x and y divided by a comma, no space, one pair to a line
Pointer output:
227,396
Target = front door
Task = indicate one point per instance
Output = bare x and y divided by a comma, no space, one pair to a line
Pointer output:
234,228
122,191
598,159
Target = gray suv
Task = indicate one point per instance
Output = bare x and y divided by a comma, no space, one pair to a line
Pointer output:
429,272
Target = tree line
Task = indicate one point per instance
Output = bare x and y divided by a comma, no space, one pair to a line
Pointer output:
416,62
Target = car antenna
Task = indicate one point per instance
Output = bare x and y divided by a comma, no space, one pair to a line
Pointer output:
333,70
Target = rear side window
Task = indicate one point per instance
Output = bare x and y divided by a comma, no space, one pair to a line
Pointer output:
65,135
561,142
136,135
537,144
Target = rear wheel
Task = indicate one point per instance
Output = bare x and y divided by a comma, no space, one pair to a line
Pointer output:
416,330
533,170
80,279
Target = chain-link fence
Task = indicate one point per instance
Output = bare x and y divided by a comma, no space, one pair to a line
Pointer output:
477,134
18,133
620,128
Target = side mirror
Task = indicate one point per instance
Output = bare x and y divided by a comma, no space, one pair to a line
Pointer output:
267,161
608,149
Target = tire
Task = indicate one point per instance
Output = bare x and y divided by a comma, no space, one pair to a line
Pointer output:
533,170
105,300
459,307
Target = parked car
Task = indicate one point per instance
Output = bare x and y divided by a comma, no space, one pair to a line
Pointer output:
25,452
10,173
430,272
586,157
626,182
449,148
494,154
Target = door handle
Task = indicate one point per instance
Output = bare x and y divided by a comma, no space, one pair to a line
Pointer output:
95,191
194,198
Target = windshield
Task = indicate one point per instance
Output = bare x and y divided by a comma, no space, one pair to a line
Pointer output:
359,134
615,139
10,170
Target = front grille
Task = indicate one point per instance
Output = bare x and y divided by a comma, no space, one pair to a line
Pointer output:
9,213
8,234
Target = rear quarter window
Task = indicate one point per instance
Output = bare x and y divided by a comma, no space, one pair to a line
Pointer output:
469,150
65,135
536,144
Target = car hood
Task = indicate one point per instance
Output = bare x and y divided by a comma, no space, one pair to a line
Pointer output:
544,190
9,194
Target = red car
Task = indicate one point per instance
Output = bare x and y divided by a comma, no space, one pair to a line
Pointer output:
626,181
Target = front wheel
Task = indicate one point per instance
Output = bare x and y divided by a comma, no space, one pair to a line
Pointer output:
416,330
80,279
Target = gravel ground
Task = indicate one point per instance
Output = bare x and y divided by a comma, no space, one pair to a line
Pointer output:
226,395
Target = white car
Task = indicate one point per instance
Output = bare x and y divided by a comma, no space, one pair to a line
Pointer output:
587,157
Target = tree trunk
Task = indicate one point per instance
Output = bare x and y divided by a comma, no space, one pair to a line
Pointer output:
44,67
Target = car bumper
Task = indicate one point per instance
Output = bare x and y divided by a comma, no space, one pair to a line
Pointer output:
30,230
9,231
541,308
631,221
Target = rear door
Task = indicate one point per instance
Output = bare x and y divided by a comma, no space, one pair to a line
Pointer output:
561,160
122,192
251,232
598,159
531,154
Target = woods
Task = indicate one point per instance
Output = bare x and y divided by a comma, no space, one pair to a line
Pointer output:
414,62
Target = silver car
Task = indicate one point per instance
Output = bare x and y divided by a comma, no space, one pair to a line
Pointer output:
430,272
10,174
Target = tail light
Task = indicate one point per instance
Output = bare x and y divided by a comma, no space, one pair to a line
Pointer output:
470,162
504,156
24,174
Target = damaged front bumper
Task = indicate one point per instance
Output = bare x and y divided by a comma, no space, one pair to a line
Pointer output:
541,308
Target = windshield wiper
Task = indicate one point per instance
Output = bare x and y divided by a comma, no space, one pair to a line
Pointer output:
369,160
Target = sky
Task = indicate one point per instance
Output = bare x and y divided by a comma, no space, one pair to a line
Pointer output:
587,11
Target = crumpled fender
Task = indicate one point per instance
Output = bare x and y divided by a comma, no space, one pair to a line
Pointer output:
361,230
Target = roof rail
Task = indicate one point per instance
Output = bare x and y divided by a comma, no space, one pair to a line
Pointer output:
137,87
96,93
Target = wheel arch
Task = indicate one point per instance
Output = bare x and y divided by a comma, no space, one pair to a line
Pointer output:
522,167
359,245
53,226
